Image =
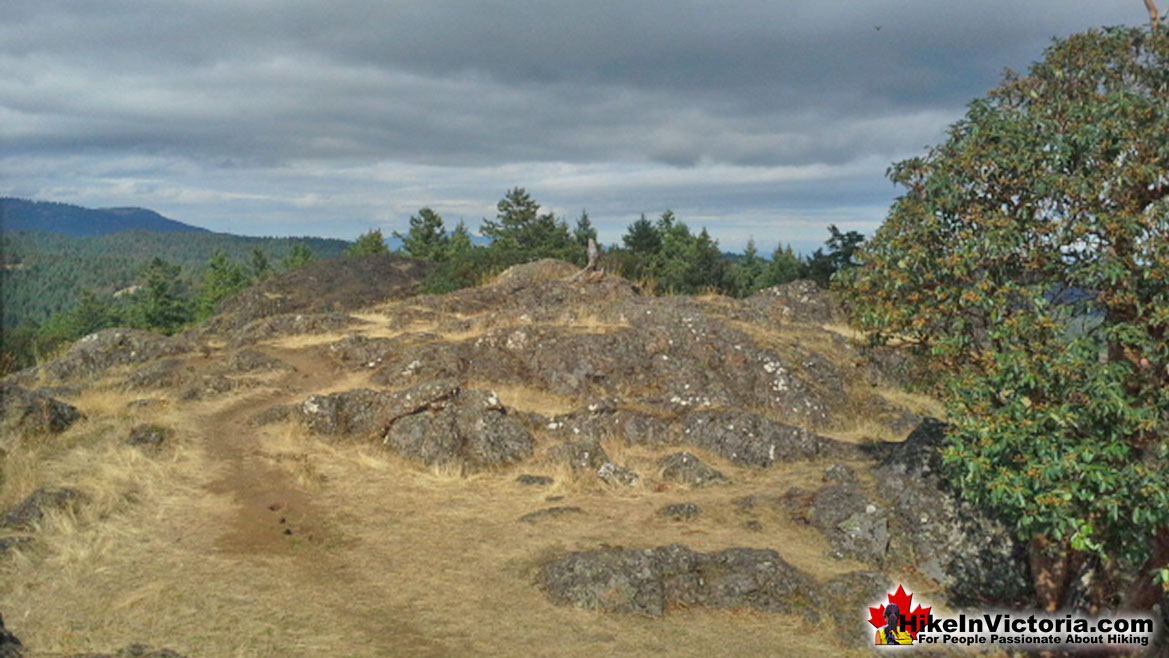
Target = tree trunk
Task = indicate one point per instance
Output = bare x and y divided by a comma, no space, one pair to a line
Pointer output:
1144,592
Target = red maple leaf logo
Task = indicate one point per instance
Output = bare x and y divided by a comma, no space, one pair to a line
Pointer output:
902,600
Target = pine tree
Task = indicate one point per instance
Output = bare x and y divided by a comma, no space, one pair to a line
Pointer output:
460,241
584,230
300,255
370,243
642,238
785,267
221,280
519,225
162,304
427,237
261,268
748,274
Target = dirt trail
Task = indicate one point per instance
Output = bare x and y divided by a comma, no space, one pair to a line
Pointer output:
273,513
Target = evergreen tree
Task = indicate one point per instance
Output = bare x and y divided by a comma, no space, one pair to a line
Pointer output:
261,268
584,230
221,279
163,303
705,265
842,248
460,241
785,267
642,238
519,225
370,243
300,255
747,275
427,237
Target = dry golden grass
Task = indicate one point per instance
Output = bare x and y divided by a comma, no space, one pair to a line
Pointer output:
922,405
186,547
418,562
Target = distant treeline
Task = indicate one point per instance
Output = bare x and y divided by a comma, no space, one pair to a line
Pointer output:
57,288
663,255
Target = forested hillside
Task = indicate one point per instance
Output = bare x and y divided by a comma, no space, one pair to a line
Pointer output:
45,273
67,219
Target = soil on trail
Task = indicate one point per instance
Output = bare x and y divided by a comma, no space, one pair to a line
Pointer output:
271,508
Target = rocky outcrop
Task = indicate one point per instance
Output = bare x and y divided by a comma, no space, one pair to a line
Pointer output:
31,510
687,469
916,519
752,440
291,324
23,411
855,526
973,555
680,511
335,285
438,423
10,543
799,301
657,353
133,651
148,435
96,353
647,581
10,646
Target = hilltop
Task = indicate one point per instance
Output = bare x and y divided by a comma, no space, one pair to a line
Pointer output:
76,221
537,462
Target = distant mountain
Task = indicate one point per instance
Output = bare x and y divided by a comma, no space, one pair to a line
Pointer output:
75,221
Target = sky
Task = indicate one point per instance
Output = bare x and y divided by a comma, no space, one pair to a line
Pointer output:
764,119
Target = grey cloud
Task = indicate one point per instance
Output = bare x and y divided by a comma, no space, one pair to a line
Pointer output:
215,98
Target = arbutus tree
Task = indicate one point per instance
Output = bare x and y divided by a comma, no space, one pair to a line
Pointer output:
1029,257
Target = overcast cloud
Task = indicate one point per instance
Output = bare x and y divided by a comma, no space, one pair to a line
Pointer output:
753,118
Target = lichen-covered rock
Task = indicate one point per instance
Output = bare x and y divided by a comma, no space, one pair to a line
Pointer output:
133,651
799,301
96,353
208,386
614,474
689,470
31,510
249,360
634,427
9,543
855,526
326,286
840,474
24,411
472,430
752,440
291,324
845,599
148,435
580,455
646,581
973,555
680,511
10,645
670,355
163,373
434,423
